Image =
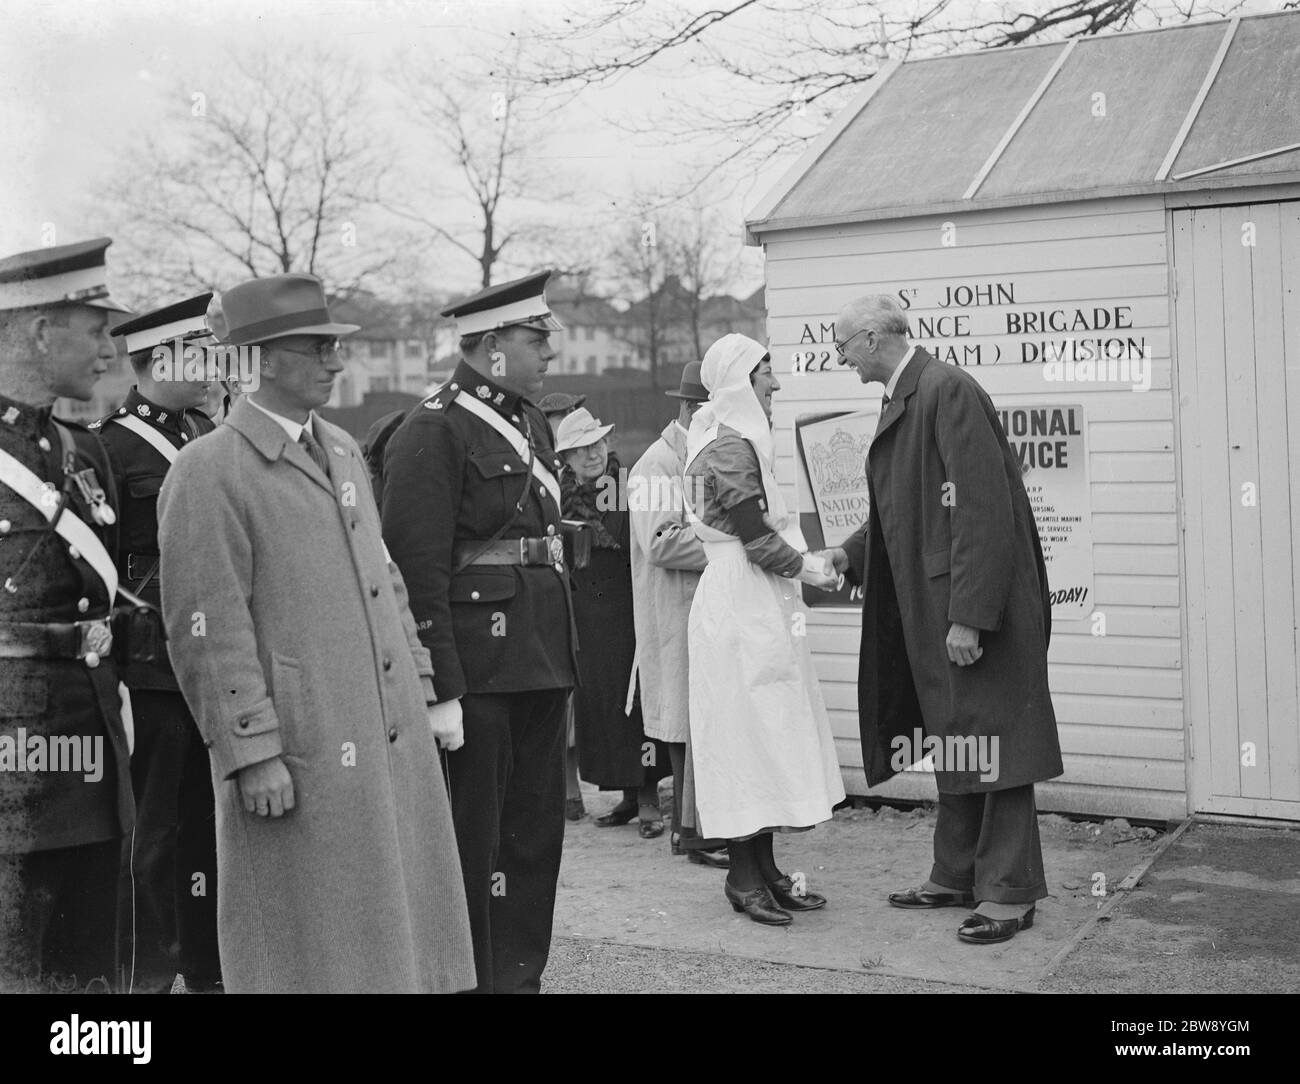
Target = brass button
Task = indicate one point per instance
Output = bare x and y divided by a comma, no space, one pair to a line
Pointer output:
43,444
74,553
5,526
83,604
388,665
374,591
550,528
243,724
392,734
473,594
506,467
92,659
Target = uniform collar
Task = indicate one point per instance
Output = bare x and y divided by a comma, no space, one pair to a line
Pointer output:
23,418
486,390
147,410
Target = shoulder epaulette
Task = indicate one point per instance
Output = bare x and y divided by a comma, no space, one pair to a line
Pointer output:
440,399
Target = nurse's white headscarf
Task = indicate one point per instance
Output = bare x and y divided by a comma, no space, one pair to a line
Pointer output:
725,373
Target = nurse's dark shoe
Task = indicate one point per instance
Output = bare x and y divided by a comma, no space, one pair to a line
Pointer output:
758,904
982,930
784,894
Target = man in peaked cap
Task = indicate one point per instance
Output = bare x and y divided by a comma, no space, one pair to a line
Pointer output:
292,641
173,856
472,518
65,785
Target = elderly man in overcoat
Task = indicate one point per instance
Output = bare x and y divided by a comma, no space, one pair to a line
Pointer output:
955,624
293,643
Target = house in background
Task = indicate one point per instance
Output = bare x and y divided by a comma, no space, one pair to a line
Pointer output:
393,350
596,336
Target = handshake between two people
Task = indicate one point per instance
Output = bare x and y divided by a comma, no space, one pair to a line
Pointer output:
824,569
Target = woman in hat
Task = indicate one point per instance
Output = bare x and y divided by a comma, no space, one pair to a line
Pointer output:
764,756
613,751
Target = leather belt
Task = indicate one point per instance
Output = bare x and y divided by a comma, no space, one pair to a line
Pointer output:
86,640
525,552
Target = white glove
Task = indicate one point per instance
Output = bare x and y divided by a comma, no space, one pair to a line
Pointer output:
819,572
128,719
446,720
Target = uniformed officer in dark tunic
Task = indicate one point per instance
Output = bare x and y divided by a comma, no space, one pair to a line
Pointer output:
472,518
173,854
65,786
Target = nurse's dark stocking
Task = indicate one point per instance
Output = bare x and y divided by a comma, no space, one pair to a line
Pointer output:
744,873
763,856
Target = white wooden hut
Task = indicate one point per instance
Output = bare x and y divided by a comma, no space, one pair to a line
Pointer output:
1106,232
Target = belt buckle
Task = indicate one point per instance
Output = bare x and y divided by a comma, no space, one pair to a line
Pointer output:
523,552
95,641
555,544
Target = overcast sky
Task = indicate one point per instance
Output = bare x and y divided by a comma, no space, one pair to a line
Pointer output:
82,82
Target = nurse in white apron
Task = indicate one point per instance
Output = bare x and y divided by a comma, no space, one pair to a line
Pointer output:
764,756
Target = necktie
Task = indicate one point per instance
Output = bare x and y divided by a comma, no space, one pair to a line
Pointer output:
315,451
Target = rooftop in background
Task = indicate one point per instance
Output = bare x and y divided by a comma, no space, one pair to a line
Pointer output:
1200,106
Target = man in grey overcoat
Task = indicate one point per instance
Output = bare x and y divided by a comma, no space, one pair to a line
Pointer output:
292,641
667,560
955,624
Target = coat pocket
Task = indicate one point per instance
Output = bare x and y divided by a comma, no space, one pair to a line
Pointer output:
937,563
299,728
144,487
483,585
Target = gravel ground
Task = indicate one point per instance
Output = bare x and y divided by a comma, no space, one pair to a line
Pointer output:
580,966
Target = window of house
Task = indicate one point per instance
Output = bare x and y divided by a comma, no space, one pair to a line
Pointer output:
379,383
413,348
592,364
591,334
378,348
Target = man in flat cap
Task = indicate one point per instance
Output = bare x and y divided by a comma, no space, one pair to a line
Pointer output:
472,518
559,405
65,784
293,644
173,852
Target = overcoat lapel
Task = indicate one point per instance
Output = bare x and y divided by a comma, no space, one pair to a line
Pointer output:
272,442
906,386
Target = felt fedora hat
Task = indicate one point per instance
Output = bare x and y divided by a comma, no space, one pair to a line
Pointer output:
691,387
276,307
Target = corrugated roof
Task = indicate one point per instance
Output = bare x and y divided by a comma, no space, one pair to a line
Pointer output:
1079,119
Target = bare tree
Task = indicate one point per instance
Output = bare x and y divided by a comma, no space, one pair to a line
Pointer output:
276,168
490,130
791,63
641,263
698,256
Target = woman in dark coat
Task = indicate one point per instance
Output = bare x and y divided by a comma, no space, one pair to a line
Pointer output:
613,751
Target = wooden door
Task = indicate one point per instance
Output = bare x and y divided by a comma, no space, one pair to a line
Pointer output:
1237,355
